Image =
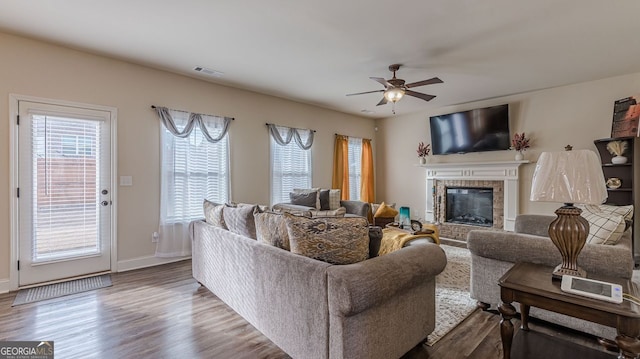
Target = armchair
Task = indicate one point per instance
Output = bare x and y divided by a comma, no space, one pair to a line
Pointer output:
495,252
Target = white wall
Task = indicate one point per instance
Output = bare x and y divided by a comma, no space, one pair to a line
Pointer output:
553,118
39,69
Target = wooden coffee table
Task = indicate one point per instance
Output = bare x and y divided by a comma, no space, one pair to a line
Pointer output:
531,285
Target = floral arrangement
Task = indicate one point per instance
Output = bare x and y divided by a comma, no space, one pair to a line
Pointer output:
617,148
520,142
423,150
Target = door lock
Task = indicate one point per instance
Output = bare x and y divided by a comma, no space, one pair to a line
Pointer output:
104,191
104,203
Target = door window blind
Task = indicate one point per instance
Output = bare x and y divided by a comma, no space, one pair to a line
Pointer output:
65,164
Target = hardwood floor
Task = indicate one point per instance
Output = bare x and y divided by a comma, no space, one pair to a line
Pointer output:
162,312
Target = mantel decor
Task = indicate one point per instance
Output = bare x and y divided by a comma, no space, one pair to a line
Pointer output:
423,151
569,177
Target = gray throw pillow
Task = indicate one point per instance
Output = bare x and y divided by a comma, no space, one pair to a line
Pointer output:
213,214
240,220
304,198
324,200
272,229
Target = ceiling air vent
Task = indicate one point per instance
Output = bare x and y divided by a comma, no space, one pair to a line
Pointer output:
207,71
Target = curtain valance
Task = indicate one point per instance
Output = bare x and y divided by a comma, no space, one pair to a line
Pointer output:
213,128
283,135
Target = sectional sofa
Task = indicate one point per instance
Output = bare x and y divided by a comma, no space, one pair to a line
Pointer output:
376,308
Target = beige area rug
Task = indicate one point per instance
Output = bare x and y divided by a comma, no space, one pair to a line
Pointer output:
56,290
453,303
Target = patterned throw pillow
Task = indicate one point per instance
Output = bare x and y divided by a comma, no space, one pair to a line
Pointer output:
624,211
605,227
332,240
272,229
240,220
340,212
334,198
213,214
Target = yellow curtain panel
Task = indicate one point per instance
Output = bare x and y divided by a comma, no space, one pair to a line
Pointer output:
340,179
366,185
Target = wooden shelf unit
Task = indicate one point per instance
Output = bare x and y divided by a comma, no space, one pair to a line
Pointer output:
628,192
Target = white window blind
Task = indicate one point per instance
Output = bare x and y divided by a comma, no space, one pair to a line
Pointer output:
193,169
355,167
290,168
64,189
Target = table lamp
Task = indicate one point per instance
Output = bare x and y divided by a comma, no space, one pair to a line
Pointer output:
569,177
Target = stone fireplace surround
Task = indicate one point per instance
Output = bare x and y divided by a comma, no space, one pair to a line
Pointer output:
502,176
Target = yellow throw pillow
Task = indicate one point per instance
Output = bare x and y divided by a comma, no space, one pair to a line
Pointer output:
386,211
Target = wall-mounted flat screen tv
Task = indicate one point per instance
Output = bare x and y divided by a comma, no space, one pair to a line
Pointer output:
479,130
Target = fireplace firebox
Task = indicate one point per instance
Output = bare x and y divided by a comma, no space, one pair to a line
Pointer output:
470,205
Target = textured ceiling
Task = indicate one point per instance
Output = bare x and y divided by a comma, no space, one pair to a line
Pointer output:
318,51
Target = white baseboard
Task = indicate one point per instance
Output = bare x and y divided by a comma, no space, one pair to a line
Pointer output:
144,262
5,286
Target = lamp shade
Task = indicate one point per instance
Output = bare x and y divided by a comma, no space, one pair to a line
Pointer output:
569,177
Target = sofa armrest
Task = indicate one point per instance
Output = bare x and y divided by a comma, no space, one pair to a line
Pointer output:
609,260
358,208
355,287
535,224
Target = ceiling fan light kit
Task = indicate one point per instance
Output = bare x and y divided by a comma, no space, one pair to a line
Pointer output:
395,88
394,94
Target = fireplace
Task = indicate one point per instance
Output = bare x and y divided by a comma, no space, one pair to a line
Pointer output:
500,176
469,205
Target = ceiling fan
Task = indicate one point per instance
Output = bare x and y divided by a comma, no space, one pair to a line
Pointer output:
395,89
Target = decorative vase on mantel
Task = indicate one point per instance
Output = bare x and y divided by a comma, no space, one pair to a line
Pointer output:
519,156
423,160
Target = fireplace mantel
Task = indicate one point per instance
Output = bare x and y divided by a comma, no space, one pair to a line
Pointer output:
506,171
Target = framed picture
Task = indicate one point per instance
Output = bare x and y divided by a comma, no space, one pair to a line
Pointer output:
626,115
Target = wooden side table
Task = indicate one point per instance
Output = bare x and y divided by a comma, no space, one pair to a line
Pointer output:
531,285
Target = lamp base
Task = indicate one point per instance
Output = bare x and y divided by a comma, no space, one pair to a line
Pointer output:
568,232
559,272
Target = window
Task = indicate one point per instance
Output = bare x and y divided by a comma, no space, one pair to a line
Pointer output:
193,169
355,167
290,163
74,145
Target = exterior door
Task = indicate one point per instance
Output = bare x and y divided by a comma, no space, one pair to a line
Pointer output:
64,199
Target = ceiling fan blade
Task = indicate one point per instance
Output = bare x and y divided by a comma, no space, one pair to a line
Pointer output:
382,102
362,93
419,95
382,81
434,80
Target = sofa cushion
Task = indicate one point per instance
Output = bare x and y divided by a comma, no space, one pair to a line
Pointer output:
334,198
384,210
324,199
240,220
307,199
272,229
605,227
213,214
332,240
340,212
308,190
